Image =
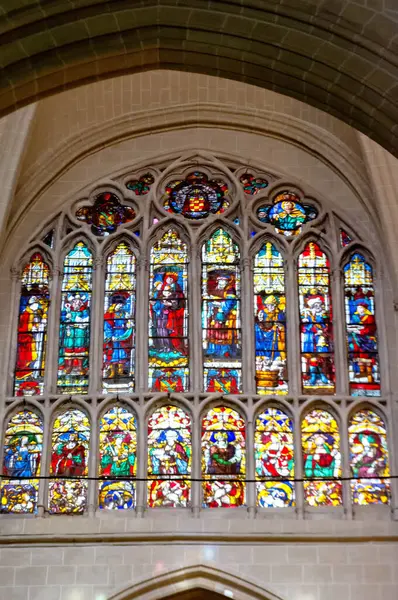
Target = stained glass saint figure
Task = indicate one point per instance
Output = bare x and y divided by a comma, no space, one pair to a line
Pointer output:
270,321
69,461
322,459
169,458
119,321
369,459
287,214
117,460
168,315
74,335
22,451
32,328
361,329
221,326
316,325
223,458
274,459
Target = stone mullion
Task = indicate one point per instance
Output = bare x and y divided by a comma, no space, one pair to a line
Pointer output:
247,327
293,327
142,469
141,376
345,466
298,466
294,371
251,499
340,354
92,484
96,327
141,326
42,499
196,471
52,350
195,321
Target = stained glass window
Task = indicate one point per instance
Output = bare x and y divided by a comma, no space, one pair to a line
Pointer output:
168,315
316,328
369,459
69,462
169,457
32,328
345,239
119,321
322,459
363,359
106,214
22,453
221,325
141,186
117,459
270,321
74,335
252,185
274,456
287,214
196,197
223,458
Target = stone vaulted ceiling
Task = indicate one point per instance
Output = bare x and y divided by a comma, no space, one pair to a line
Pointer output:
338,55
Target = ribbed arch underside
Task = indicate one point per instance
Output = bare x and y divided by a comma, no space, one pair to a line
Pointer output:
338,56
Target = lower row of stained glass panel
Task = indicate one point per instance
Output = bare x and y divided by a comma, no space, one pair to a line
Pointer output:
170,458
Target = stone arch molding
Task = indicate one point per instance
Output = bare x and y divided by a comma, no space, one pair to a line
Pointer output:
191,579
337,56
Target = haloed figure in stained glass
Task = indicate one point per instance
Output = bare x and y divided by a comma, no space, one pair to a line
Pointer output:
361,328
274,455
22,457
169,457
369,459
316,329
118,332
74,339
32,328
221,320
322,459
223,458
168,315
168,310
221,314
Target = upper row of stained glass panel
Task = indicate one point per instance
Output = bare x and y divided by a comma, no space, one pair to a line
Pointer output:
168,324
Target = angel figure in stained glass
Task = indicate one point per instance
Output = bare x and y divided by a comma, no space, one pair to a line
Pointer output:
226,494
